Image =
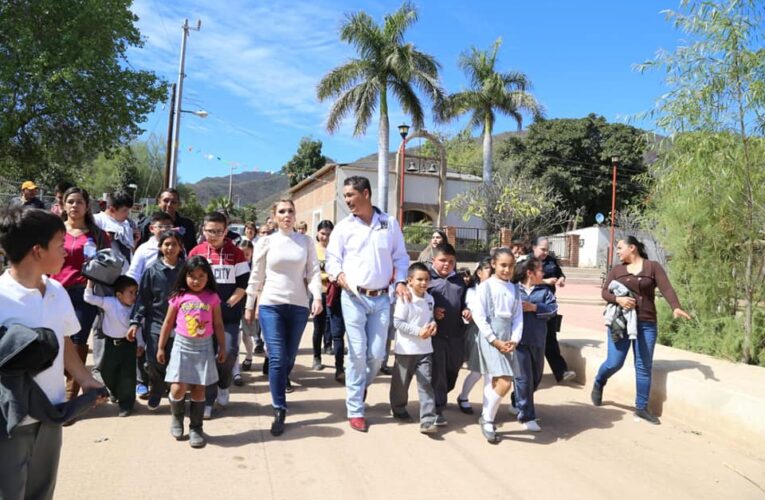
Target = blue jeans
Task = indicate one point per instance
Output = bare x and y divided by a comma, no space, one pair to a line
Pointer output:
643,354
366,322
86,313
282,326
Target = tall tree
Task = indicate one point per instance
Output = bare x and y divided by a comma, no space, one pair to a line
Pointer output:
67,90
307,160
384,63
708,188
490,92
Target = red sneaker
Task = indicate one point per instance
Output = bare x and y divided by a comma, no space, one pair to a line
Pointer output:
358,424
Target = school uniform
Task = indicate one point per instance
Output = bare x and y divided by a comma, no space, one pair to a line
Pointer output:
414,356
118,363
472,359
449,344
31,454
500,316
529,359
145,255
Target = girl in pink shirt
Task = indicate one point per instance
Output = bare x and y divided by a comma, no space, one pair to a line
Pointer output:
194,315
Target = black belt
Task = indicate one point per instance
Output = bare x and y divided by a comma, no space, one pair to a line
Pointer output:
114,341
371,293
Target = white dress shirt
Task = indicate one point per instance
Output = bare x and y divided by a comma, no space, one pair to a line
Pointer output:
368,255
145,255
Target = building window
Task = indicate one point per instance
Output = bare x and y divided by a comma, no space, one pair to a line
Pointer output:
315,219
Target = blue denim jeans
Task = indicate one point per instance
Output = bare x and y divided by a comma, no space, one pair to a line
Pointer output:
282,326
642,349
86,313
366,322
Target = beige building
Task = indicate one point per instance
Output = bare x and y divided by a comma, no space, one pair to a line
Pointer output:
321,195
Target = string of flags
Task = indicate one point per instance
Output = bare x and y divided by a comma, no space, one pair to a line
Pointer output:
213,157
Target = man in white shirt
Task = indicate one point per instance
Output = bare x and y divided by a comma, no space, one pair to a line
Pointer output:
366,253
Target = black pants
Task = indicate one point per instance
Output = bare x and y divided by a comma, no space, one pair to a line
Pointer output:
552,350
321,329
448,356
337,331
118,371
156,372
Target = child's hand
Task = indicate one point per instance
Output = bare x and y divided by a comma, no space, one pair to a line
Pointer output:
529,307
467,315
427,331
161,356
511,346
139,351
131,333
433,328
221,356
439,313
249,316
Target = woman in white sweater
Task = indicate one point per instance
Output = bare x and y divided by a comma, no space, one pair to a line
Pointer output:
284,267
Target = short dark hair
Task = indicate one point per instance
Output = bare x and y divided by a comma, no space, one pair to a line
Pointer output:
195,262
172,191
62,186
171,233
359,183
120,199
417,266
124,282
160,217
444,249
215,217
22,228
251,225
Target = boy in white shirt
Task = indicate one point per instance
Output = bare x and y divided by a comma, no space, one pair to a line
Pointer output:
118,364
414,351
33,242
147,253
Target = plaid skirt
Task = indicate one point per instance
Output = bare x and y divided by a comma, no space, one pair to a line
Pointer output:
192,361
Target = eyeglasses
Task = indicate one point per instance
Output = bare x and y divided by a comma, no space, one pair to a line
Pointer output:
163,226
215,232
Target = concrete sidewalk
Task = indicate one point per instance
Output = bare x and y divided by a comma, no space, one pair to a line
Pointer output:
582,452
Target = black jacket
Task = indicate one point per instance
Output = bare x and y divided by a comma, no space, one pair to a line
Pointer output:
185,226
449,293
151,304
25,352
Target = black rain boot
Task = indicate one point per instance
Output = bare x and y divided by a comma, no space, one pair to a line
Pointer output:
196,437
277,427
178,412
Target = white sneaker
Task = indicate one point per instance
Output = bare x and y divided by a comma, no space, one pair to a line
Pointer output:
223,397
208,413
513,409
568,376
532,426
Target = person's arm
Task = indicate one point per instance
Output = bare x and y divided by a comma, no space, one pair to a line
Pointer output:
666,289
242,273
91,298
137,264
164,333
401,320
399,254
313,275
605,293
76,368
335,253
517,328
220,335
258,273
548,307
481,314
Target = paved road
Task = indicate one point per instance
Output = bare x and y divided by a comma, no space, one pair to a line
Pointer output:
583,452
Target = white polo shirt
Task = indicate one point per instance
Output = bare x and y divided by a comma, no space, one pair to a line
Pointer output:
28,307
368,254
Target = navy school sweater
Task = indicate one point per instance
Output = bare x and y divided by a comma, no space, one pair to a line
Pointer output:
449,293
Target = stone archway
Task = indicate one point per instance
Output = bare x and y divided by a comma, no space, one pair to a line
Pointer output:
441,171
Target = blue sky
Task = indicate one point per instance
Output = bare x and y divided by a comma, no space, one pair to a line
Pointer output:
254,67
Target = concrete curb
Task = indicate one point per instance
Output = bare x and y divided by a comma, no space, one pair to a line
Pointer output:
705,393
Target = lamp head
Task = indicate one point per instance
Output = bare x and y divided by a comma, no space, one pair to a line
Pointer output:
403,130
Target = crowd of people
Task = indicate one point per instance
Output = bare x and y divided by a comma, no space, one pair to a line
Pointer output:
171,322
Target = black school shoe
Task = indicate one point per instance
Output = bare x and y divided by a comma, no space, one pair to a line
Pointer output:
596,396
402,416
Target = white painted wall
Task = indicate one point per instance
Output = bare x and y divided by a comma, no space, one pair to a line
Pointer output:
594,241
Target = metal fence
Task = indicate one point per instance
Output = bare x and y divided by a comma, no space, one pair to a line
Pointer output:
559,246
470,241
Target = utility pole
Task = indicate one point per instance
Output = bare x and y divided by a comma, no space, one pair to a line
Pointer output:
614,164
169,140
178,99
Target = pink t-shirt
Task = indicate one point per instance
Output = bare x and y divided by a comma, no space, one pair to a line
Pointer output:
195,313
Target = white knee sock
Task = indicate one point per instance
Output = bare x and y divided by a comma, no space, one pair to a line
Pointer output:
493,401
468,384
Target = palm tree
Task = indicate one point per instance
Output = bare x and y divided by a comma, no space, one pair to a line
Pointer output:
490,92
384,63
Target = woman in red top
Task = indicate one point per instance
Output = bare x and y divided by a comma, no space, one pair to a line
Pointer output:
641,277
81,230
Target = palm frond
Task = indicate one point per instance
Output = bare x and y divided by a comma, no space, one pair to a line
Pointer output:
408,100
350,101
397,23
342,78
366,104
360,30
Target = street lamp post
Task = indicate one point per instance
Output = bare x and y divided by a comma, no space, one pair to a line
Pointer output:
403,130
614,164
231,183
173,177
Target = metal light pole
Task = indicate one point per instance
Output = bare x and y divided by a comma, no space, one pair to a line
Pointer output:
614,164
403,130
231,183
173,177
168,151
